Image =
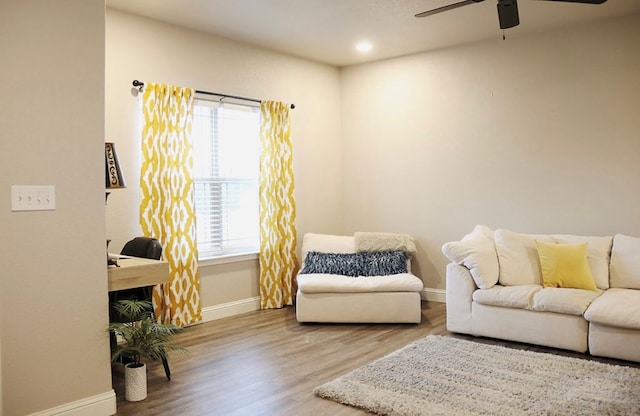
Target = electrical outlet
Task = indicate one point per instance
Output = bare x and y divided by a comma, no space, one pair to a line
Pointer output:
33,198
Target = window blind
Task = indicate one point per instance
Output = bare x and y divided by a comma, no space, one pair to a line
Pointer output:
226,141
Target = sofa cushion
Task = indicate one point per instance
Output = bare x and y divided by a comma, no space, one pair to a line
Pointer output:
565,265
616,307
561,300
331,283
518,257
477,252
519,296
625,262
598,255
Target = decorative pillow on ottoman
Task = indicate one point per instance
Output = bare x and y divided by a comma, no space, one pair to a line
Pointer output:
377,263
382,263
346,264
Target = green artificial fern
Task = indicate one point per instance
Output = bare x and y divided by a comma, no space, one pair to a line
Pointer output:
143,335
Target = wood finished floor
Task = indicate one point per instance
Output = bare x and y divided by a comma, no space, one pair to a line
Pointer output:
266,363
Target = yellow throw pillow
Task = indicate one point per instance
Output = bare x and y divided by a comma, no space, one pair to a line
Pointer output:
565,265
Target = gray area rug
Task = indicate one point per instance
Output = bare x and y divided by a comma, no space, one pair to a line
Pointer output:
440,375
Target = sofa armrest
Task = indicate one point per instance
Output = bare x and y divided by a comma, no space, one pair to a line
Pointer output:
459,293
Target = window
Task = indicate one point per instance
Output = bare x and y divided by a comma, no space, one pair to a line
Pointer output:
226,141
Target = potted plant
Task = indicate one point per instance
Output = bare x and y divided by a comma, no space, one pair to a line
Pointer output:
142,336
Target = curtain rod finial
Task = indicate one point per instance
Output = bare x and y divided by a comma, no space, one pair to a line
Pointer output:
292,106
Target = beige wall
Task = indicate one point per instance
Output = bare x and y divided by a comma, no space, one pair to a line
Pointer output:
54,342
147,50
537,134
533,133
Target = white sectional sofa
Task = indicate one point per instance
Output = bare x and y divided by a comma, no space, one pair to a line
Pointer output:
550,290
331,291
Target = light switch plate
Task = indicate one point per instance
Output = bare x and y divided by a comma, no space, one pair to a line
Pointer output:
33,198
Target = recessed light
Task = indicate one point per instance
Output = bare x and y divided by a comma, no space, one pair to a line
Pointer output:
363,47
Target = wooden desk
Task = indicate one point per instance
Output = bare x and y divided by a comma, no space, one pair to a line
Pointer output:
137,272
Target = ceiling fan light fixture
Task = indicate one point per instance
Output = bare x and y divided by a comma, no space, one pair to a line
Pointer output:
508,14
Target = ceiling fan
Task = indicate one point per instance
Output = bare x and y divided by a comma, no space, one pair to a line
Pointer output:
507,10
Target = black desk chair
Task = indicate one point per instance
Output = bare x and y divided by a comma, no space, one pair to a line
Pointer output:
148,248
145,247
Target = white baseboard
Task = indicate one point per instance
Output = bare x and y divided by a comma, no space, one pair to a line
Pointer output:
99,405
212,313
434,295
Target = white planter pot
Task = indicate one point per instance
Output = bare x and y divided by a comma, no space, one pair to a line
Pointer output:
135,382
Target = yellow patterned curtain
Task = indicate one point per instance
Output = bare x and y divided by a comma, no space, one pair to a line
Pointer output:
278,261
167,207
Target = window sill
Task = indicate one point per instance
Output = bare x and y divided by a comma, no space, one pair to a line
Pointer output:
233,258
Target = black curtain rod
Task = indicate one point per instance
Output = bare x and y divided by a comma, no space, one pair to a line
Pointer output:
140,85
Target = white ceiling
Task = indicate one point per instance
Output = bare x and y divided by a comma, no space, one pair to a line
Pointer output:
327,30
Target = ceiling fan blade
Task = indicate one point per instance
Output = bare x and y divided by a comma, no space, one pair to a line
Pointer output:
448,7
580,1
